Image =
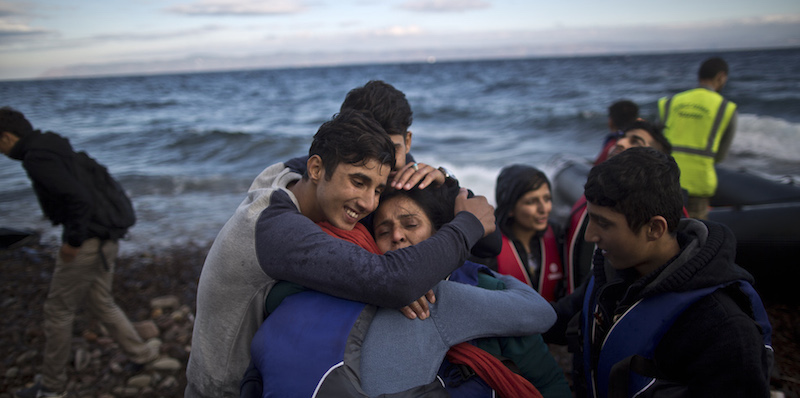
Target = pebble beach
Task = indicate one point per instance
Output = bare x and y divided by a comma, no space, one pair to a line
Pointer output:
157,291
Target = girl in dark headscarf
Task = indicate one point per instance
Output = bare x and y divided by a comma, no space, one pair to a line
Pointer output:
531,246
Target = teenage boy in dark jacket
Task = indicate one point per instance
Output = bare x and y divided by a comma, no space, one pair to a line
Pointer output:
84,267
715,343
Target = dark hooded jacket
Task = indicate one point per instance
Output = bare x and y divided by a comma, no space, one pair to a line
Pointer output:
48,158
714,348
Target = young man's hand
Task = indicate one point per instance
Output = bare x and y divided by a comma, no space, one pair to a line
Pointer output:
412,173
479,207
419,309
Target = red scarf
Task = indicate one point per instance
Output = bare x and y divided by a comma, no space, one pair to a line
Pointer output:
507,383
358,235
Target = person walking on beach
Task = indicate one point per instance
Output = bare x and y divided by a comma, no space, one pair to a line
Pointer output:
84,267
700,123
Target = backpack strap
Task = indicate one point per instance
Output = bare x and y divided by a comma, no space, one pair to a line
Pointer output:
625,365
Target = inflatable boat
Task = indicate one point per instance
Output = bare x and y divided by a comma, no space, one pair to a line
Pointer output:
763,213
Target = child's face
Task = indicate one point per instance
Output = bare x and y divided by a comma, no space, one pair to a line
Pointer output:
621,247
400,222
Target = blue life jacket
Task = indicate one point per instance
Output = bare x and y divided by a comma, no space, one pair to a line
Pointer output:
310,350
320,354
636,334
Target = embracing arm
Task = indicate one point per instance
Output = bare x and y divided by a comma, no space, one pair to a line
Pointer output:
566,308
291,247
464,312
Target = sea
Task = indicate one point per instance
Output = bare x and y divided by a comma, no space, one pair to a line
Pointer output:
187,146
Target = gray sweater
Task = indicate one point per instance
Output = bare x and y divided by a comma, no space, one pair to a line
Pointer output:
396,345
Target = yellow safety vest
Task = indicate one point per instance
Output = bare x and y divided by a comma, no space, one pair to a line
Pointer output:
694,122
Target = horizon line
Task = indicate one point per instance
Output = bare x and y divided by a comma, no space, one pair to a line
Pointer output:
333,64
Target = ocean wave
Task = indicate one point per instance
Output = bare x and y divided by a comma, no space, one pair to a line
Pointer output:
121,105
175,185
769,137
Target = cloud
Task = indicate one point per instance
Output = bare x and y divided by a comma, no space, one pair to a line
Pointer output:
398,31
240,7
389,43
18,29
8,9
13,35
13,24
158,35
443,5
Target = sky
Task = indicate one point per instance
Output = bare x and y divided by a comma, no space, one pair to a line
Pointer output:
66,38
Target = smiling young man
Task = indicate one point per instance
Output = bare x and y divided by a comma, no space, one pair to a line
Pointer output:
666,311
273,235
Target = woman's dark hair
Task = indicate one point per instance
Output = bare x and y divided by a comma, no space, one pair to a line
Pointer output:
438,203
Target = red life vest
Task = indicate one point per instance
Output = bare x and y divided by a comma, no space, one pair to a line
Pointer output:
574,236
550,274
603,155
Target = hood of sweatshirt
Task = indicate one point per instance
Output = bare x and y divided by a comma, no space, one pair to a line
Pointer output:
38,141
707,258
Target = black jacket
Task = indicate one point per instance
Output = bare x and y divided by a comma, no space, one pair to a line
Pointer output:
48,158
714,348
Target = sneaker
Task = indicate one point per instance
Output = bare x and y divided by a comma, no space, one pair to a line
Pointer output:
38,390
154,355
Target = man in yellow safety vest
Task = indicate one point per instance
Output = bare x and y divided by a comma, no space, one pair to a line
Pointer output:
700,124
